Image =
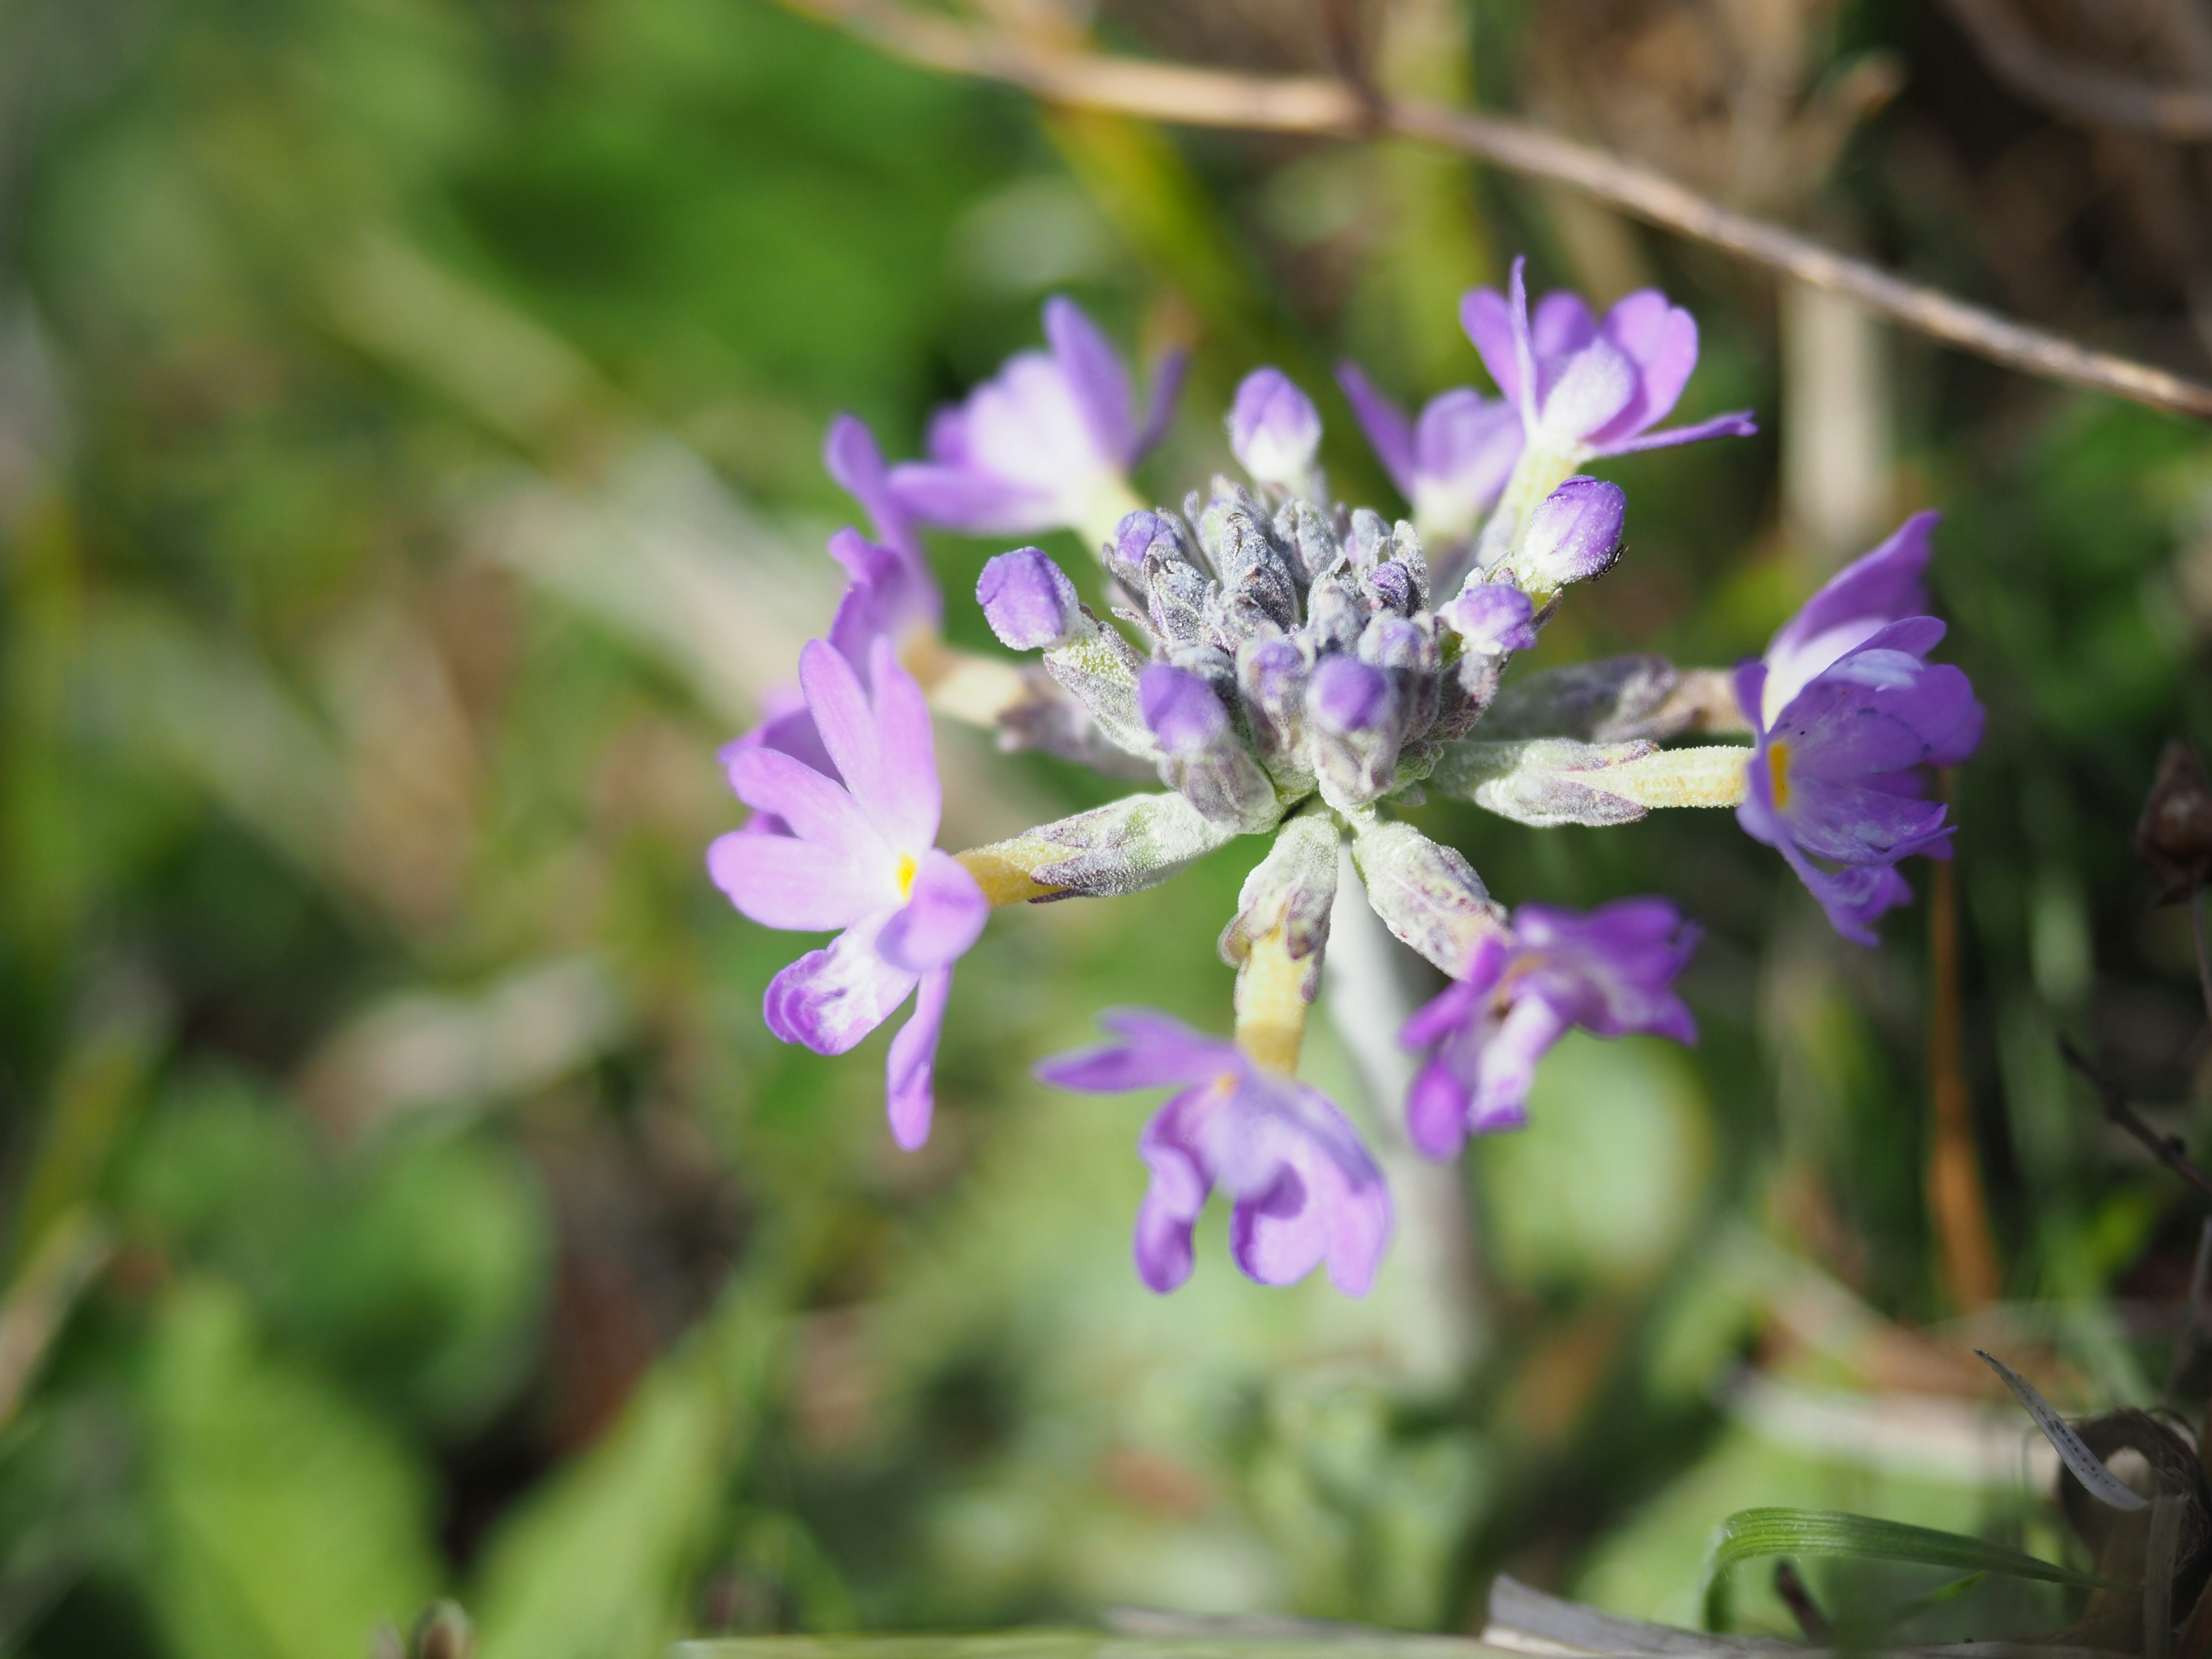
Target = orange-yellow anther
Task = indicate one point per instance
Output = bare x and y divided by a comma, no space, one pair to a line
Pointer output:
1777,772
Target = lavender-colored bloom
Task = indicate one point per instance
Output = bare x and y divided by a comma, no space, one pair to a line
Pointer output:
1610,970
1041,443
1027,600
1845,709
1305,1190
1585,387
851,456
1574,534
1181,709
1274,430
1451,462
1493,618
860,857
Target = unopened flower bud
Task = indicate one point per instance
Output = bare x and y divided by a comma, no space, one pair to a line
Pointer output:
1369,544
1027,600
2174,835
1142,534
1181,709
1574,534
1492,619
1274,429
1389,586
1346,696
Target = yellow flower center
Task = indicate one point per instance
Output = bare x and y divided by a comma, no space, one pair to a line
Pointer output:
906,869
1777,771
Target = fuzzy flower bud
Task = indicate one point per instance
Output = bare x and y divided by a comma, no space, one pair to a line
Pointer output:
1027,600
1492,619
1348,696
1574,534
1274,429
1181,709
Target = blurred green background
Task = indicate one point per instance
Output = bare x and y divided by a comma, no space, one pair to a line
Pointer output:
409,427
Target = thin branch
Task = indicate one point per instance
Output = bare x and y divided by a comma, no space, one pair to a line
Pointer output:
1187,96
2095,96
2168,1150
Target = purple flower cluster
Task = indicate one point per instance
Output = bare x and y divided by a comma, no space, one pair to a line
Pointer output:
1280,665
1847,713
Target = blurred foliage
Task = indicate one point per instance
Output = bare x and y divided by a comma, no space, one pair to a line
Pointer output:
408,413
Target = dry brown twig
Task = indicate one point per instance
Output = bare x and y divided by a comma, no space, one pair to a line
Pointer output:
1185,95
2168,1150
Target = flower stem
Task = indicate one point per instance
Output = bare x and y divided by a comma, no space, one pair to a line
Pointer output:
1956,1200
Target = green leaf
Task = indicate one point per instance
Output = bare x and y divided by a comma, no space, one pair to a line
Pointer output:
1750,1534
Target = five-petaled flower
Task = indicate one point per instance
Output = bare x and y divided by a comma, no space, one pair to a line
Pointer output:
1610,970
1046,444
860,856
1586,387
1305,1190
1847,711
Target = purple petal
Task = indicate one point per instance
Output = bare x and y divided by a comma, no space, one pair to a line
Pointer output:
1487,319
781,881
1390,434
1096,378
816,808
1662,341
1326,1203
1738,425
1854,825
974,503
909,1097
1855,604
829,999
944,915
890,595
1464,448
1593,387
1027,600
1151,1050
1436,1110
1560,326
1174,1199
1180,709
1168,370
1508,1065
1274,430
846,722
911,803
1450,1008
851,457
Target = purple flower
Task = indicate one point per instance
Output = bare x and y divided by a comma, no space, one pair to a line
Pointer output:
1611,971
860,857
1274,430
1451,463
1585,387
1046,444
1493,618
1305,1190
1574,534
851,456
1845,708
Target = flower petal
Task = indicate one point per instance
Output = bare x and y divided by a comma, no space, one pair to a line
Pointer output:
1390,434
1153,1049
909,1095
1737,425
1094,377
1853,604
905,796
943,916
851,457
1487,317
974,503
1167,370
1436,1110
1662,340
1508,1066
1174,1198
816,808
1594,385
780,881
829,999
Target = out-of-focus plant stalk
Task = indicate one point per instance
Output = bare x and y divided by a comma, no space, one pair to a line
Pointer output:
1972,1277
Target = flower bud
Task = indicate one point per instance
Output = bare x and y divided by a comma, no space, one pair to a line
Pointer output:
1141,533
1347,697
1309,539
1274,429
1574,534
1027,600
1389,586
1181,709
1491,618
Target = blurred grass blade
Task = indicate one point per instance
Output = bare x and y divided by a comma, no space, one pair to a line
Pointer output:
1341,1642
2088,1468
1750,1533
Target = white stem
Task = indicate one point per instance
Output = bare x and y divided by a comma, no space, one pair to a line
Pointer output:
1368,996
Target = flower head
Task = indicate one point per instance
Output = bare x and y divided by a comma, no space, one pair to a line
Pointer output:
1305,1191
860,857
1586,387
1611,971
1846,709
1046,444
1451,462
